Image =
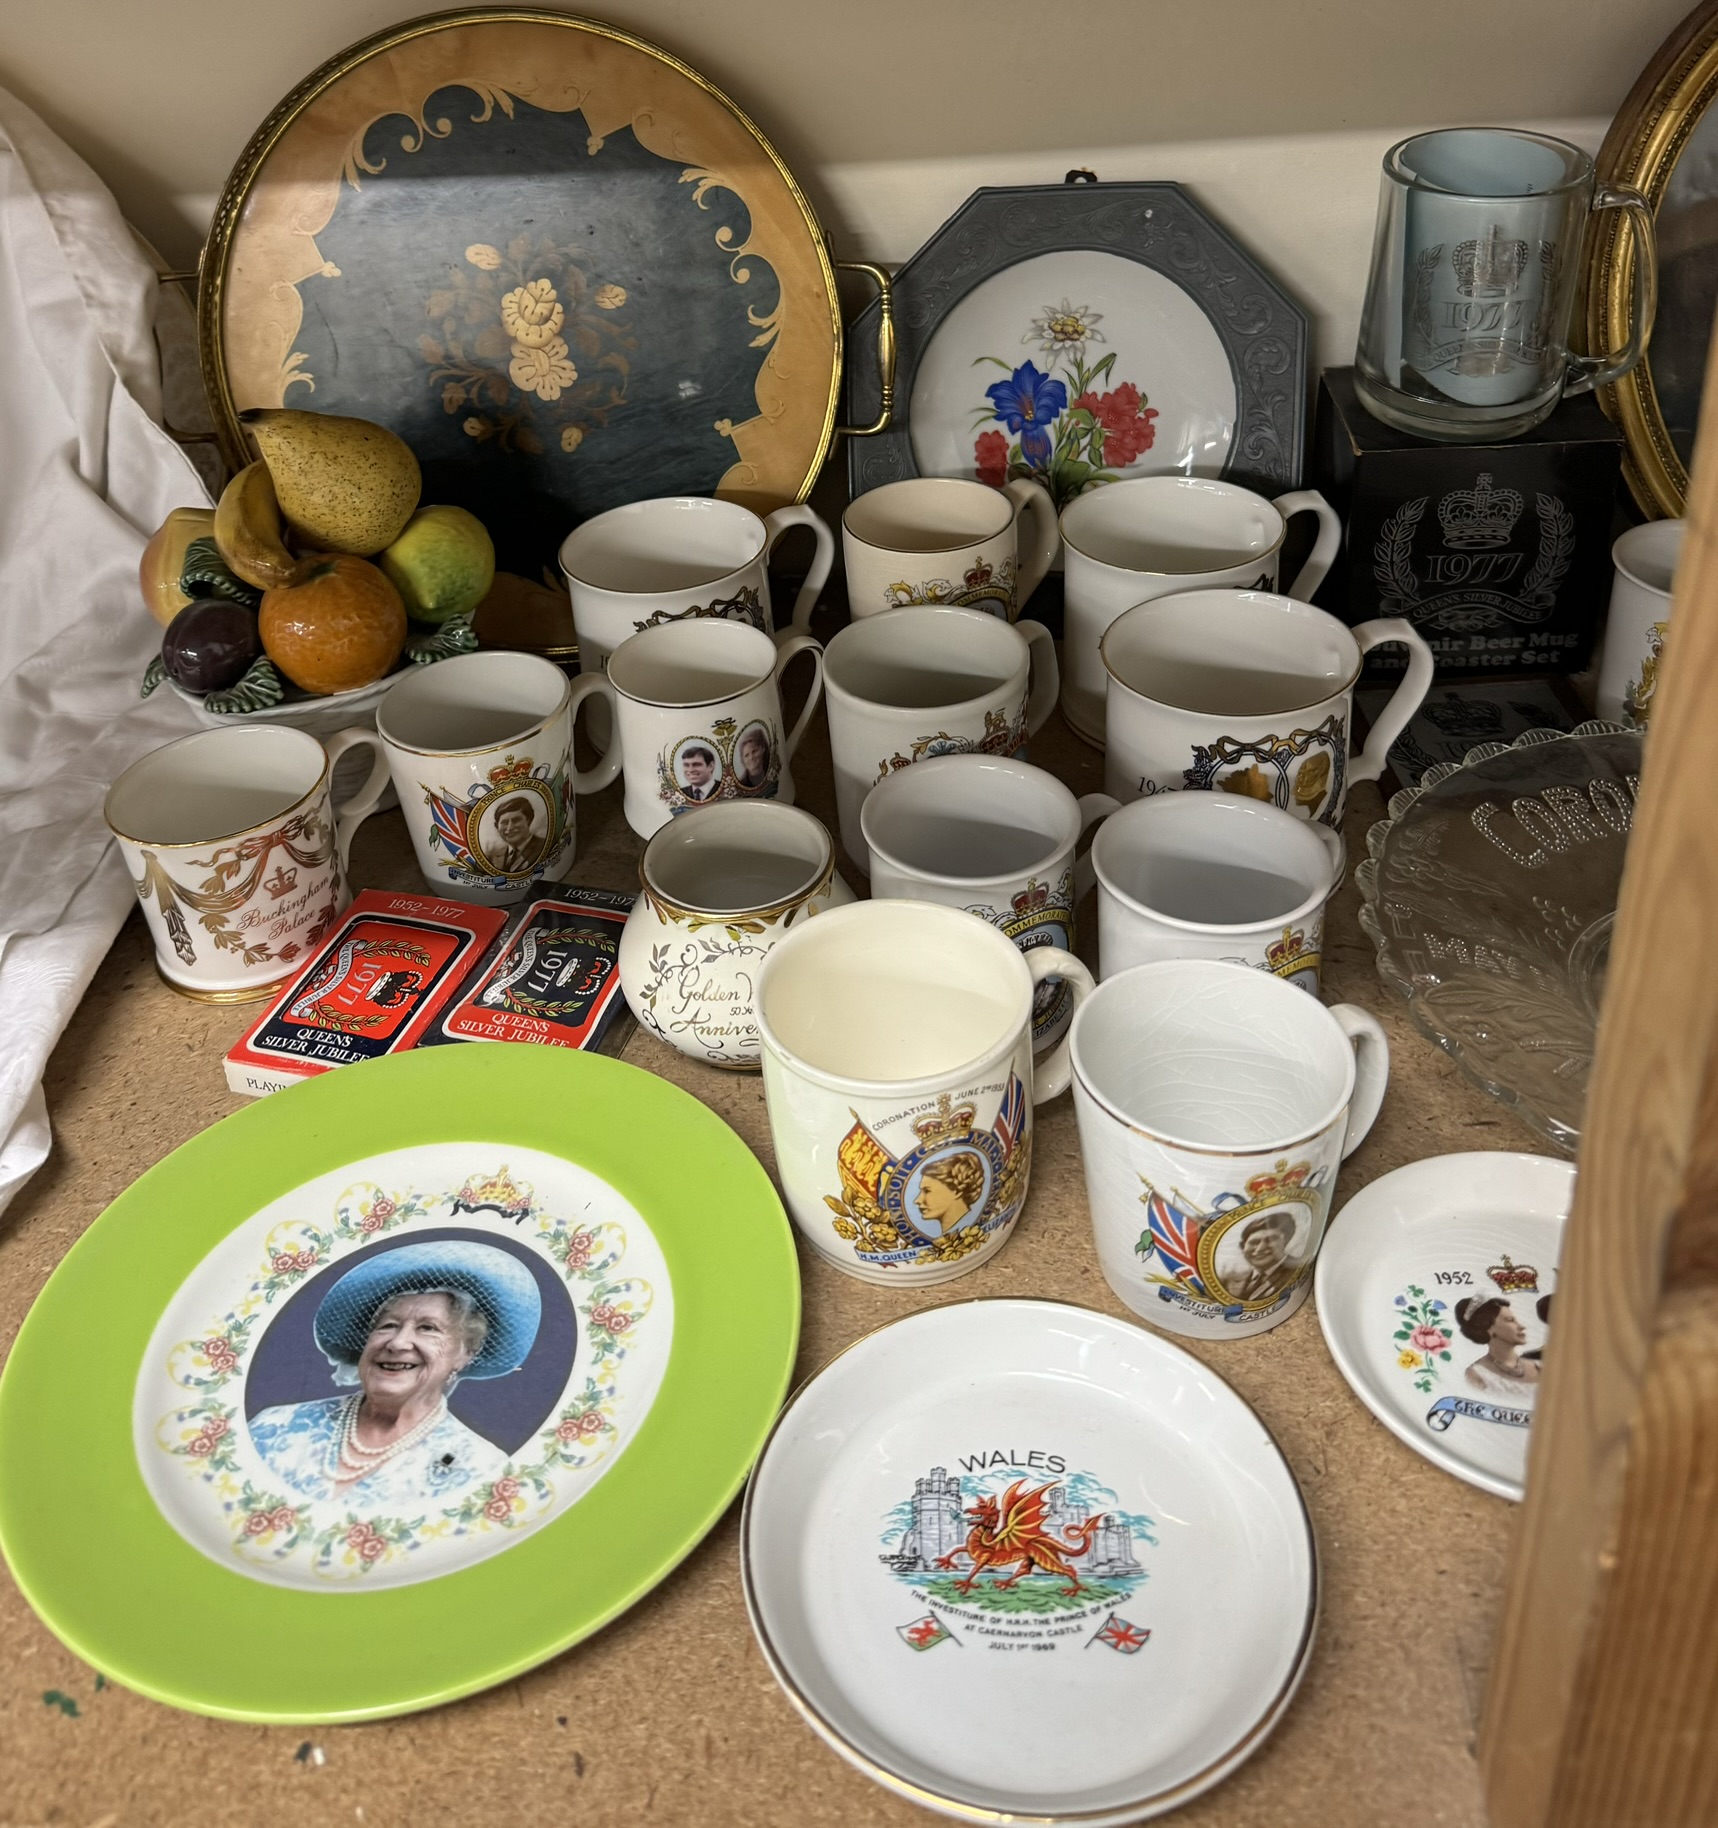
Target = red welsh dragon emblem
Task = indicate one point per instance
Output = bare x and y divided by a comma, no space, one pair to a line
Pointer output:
1012,1529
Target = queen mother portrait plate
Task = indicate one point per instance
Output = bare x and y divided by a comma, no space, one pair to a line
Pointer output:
1434,1288
1019,1561
457,1352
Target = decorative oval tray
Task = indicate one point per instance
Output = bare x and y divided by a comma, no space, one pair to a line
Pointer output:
465,1244
1490,893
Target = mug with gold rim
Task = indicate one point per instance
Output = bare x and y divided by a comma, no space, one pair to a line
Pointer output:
237,853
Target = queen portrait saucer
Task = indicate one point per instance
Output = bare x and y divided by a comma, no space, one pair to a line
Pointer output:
1434,1288
1019,1561
396,1384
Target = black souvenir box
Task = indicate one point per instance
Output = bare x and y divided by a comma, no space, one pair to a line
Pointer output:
1498,554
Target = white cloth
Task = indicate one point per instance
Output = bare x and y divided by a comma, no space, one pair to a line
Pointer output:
86,475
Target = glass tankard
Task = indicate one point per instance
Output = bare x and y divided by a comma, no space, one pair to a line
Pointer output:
1475,264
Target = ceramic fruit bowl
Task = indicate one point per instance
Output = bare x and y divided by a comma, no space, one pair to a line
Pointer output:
1490,892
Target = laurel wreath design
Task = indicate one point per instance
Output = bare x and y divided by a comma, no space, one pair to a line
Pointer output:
527,1004
325,1015
1556,549
1397,586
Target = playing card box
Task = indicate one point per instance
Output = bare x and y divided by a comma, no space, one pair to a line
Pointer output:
381,978
552,978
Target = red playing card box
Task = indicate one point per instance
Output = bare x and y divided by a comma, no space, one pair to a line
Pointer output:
378,983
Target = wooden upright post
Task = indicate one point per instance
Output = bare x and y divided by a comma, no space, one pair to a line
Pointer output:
1602,1710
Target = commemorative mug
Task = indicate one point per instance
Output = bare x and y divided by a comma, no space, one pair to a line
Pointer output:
912,683
650,562
1645,558
898,1072
1251,694
995,837
697,716
939,539
1214,875
1150,535
237,853
480,748
1476,261
1216,1105
718,893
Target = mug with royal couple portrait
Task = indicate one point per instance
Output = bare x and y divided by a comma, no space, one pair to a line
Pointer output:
1216,1105
698,718
1249,693
650,562
1151,536
480,748
940,539
910,684
238,853
900,1081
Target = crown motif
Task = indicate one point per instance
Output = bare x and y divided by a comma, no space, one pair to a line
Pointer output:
1281,954
1032,897
1480,516
981,573
1284,1180
497,1192
723,728
282,881
510,770
949,1119
1514,1278
1490,264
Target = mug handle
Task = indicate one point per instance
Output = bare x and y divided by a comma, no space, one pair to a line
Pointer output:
1046,686
1051,1075
1334,844
1404,701
349,817
1093,807
1033,501
593,780
1324,548
1585,371
1371,1071
775,525
788,646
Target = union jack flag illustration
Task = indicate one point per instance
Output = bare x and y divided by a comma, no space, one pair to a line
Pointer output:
1118,1634
447,824
1011,1119
926,1633
1173,1234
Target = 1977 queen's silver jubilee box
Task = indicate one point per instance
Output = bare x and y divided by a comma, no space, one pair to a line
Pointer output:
1498,554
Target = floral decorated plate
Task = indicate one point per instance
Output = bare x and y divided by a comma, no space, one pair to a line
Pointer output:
1434,1288
1077,333
984,1551
395,1384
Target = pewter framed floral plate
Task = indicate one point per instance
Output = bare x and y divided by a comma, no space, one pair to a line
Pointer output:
983,1551
1490,892
1435,1286
187,1497
1077,333
555,259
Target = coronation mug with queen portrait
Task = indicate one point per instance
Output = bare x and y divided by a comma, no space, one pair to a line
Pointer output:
1216,1104
898,1070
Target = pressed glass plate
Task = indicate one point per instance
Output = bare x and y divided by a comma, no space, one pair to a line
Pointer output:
1490,893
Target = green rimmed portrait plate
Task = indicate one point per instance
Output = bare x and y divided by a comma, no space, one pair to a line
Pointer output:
458,1352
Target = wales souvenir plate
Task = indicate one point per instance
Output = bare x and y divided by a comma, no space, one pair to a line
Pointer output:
395,1384
1017,1560
1434,1288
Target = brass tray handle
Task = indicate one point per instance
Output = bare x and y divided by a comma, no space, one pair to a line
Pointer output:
885,349
173,431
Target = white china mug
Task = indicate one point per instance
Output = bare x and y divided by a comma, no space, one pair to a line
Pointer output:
697,716
1214,875
650,562
912,683
1148,536
897,1056
940,539
719,892
1216,1105
480,748
237,853
1639,618
1251,694
997,838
